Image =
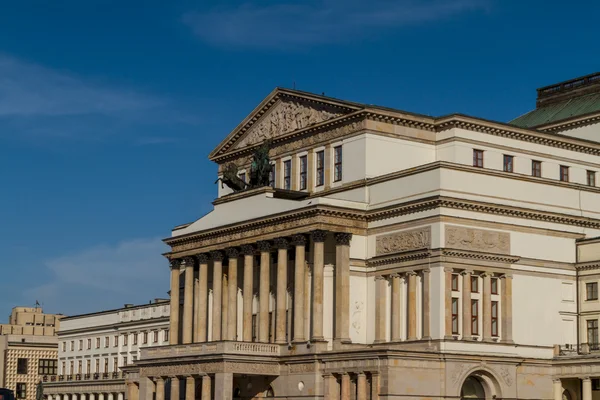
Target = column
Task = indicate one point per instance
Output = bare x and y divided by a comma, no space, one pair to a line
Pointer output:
342,287
375,383
66,397
466,304
396,311
101,396
558,389
248,292
174,388
307,300
345,387
120,396
174,314
361,386
506,307
318,238
232,255
280,318
380,308
299,241
224,386
112,396
225,307
195,310
217,258
188,300
190,388
426,276
487,306
205,388
329,392
412,305
586,388
160,390
133,394
146,389
263,296
91,396
448,302
202,298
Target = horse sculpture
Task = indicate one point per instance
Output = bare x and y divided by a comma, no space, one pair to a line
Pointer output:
260,171
231,179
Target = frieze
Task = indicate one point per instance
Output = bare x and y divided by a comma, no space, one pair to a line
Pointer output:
460,237
303,368
403,241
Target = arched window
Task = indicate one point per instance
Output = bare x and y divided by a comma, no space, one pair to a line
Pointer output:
472,389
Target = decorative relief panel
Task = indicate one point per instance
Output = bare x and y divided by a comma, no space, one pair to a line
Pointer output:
460,237
403,241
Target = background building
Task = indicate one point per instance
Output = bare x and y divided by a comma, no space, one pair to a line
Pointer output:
29,348
94,348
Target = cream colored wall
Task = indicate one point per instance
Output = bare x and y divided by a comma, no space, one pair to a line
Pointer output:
588,132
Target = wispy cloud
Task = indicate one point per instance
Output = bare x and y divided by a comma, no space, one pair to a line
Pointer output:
317,21
105,276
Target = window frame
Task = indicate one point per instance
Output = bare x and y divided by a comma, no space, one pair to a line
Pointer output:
89,343
273,176
21,390
320,168
135,338
303,167
593,329
508,163
475,317
338,159
47,366
166,335
22,366
564,173
145,337
474,284
593,294
287,175
494,318
116,341
590,178
478,158
154,336
125,339
454,283
454,311
494,285
97,342
536,168
106,342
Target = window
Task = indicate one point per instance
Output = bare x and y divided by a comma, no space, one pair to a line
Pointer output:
303,172
591,178
89,344
135,339
455,282
21,390
105,365
478,158
455,316
155,337
71,368
592,331
79,366
596,384
125,340
272,181
474,284
47,367
21,366
64,368
88,366
494,285
116,341
115,364
98,343
81,344
474,317
320,168
536,168
508,163
166,335
64,346
125,360
337,163
254,327
591,289
564,173
287,174
145,340
106,341
494,318
97,365
72,345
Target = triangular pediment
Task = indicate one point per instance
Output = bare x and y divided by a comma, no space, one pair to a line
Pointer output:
284,111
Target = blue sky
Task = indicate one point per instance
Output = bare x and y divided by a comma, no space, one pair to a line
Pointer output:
108,110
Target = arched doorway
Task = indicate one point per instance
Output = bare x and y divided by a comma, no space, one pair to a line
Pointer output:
472,388
480,385
566,395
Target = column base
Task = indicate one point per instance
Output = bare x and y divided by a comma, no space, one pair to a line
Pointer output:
426,338
299,342
379,341
507,341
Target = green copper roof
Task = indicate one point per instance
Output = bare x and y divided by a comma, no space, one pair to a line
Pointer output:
557,111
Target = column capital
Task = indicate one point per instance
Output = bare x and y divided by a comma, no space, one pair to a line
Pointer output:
467,271
343,238
247,249
586,378
175,263
448,269
281,243
232,252
299,240
188,261
360,374
395,275
203,258
508,275
411,273
216,255
264,245
426,271
380,278
485,274
318,235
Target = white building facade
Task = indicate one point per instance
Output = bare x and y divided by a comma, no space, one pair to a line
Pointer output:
95,349
392,255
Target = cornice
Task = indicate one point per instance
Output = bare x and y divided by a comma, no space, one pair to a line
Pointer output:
474,255
399,257
587,266
570,123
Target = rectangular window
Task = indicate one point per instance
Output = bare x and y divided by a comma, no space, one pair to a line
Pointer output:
21,390
21,366
125,360
135,339
88,366
116,341
71,368
155,337
475,317
79,366
145,338
455,316
303,172
64,346
320,168
47,367
254,327
591,289
272,181
89,344
564,173
72,345
596,384
287,174
508,163
478,158
494,285
536,168
105,365
337,163
166,335
64,368
97,366
106,341
81,344
115,364
592,331
494,318
98,343
455,282
474,284
591,178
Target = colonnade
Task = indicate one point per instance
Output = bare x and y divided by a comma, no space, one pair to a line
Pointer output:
194,327
89,396
347,386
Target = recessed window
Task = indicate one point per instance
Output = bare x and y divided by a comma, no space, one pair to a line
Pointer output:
81,344
21,390
71,367
478,158
105,365
564,173
592,332
536,168
79,366
88,366
287,174
21,366
454,282
455,316
591,178
155,337
508,163
97,343
303,172
116,341
272,176
47,367
145,338
166,335
89,344
64,346
474,284
72,345
494,285
106,341
135,339
115,364
337,163
97,365
320,168
494,318
125,340
591,289
475,317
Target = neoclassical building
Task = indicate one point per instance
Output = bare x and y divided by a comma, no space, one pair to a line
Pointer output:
394,255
